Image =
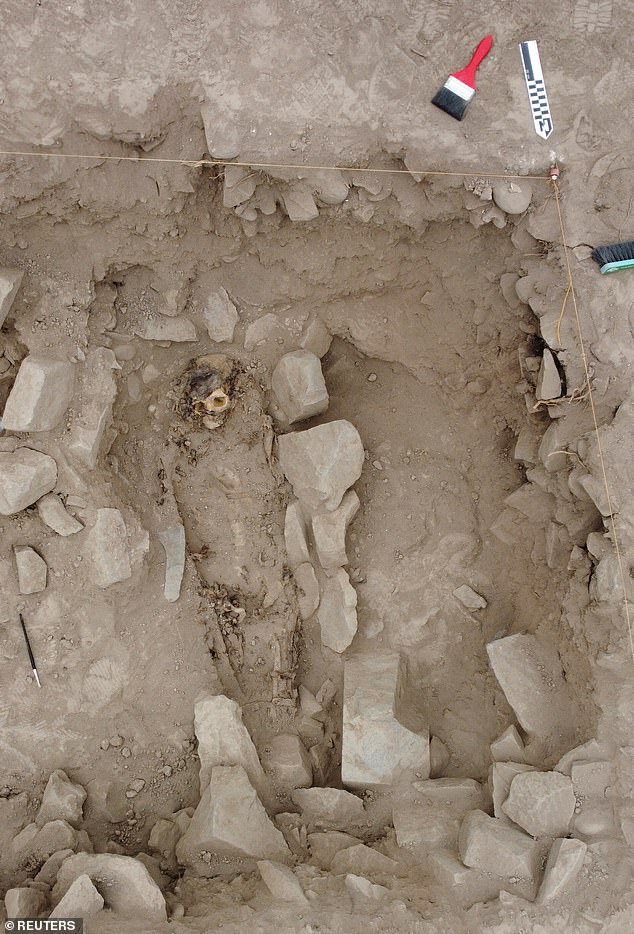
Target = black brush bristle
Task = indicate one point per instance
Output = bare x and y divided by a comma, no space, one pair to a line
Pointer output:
613,252
451,103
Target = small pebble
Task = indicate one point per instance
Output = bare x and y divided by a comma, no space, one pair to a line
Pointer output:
105,744
166,770
477,387
372,378
125,752
377,465
116,741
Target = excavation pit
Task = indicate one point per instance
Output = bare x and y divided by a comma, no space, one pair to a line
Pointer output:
431,311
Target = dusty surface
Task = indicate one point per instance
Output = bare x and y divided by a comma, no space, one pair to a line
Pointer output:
432,361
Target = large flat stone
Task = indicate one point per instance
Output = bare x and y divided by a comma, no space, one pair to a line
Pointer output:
173,541
322,462
377,746
62,800
281,882
337,613
108,547
490,846
288,762
25,476
40,395
93,406
329,531
565,859
24,903
31,568
329,808
82,900
223,739
429,816
220,316
530,673
10,280
542,803
295,535
53,514
231,822
298,386
123,882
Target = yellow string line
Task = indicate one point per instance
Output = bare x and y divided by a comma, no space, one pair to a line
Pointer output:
571,289
195,163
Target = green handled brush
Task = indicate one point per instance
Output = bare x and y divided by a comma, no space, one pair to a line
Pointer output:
614,256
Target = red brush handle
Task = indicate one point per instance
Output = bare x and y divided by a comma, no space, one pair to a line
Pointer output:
467,75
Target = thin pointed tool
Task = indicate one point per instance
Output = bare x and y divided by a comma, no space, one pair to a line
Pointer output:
30,651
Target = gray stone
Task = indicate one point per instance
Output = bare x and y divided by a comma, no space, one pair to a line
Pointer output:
299,203
223,138
377,745
330,187
25,476
48,873
223,739
93,407
106,801
542,803
501,774
309,704
167,329
591,779
467,886
220,316
316,338
298,386
591,751
173,541
307,589
288,762
565,859
40,395
39,845
10,281
295,537
337,612
262,329
512,197
54,515
164,836
509,747
281,882
107,546
438,757
123,882
429,816
329,808
548,380
490,846
361,889
31,568
529,672
324,846
231,822
469,598
239,184
595,820
329,531
62,800
24,903
82,900
364,859
322,462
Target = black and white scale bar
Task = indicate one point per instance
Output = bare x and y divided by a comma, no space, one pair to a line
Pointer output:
536,88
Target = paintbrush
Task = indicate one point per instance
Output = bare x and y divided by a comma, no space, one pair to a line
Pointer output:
456,93
30,651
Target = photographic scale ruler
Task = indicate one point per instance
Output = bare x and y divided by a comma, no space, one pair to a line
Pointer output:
538,99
